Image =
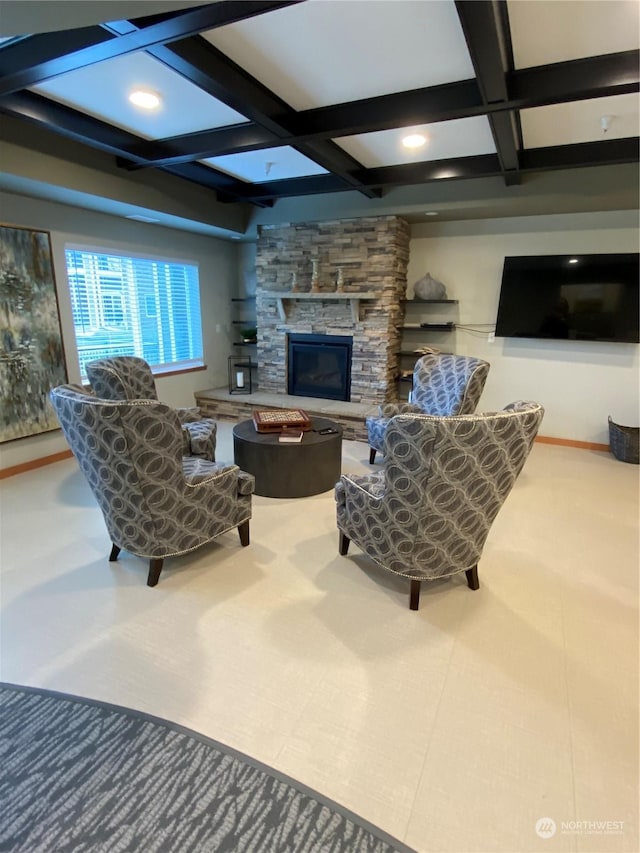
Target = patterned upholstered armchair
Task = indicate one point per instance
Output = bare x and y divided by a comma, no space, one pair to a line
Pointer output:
128,377
442,385
428,512
156,502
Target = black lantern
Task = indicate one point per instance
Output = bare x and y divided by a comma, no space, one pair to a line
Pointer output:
239,374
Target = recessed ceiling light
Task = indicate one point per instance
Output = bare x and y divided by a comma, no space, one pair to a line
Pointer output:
431,213
573,260
414,140
145,98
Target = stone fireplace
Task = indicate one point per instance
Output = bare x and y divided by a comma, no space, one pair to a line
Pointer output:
319,366
372,255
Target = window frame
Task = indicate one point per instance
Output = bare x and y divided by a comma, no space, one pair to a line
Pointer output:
164,368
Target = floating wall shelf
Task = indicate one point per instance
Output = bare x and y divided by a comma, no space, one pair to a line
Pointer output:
353,298
429,327
430,301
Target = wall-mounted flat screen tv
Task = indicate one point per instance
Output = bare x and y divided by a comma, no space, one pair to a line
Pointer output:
570,297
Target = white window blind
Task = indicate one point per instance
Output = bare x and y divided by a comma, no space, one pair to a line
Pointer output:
149,307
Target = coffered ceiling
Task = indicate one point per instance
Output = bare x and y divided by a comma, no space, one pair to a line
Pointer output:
265,99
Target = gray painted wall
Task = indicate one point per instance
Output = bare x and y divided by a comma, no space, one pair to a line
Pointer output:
579,383
39,163
218,263
563,191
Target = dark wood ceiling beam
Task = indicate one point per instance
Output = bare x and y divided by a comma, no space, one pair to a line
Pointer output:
46,62
45,50
333,158
102,136
600,76
606,153
202,64
485,41
205,66
484,27
409,173
609,152
437,103
572,80
385,112
91,131
575,80
68,122
458,168
105,137
235,139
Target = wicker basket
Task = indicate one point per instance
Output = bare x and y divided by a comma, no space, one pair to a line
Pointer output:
624,442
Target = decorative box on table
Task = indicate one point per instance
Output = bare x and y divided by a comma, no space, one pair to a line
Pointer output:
277,420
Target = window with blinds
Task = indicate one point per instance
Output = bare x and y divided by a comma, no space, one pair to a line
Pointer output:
149,307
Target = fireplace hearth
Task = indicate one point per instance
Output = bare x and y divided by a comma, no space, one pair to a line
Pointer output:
319,366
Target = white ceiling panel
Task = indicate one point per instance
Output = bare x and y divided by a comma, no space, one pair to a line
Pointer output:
580,121
446,139
102,90
329,51
544,31
282,69
269,164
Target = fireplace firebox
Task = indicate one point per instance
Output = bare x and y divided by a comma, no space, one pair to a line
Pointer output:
319,366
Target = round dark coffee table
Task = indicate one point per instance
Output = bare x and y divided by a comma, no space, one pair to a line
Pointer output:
290,470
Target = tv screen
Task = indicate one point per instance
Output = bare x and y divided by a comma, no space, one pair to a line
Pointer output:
570,297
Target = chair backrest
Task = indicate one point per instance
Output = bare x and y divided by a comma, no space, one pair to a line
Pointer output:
131,455
447,478
448,384
124,377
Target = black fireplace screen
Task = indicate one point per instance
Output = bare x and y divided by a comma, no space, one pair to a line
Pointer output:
319,366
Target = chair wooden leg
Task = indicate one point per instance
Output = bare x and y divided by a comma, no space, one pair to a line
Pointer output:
243,533
414,595
155,567
343,544
372,455
113,556
472,578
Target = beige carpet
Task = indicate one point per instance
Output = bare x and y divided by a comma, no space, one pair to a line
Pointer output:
455,728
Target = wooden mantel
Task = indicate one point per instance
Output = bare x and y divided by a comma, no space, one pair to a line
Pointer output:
353,298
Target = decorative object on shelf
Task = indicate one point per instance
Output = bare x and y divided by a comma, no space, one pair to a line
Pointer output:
240,374
249,335
427,351
339,281
428,287
294,282
314,276
32,359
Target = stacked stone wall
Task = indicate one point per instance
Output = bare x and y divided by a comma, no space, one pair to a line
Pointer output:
373,254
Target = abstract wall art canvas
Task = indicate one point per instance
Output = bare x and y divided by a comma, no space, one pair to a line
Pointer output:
31,351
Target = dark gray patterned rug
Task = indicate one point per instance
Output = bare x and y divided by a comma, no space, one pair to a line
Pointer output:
80,775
